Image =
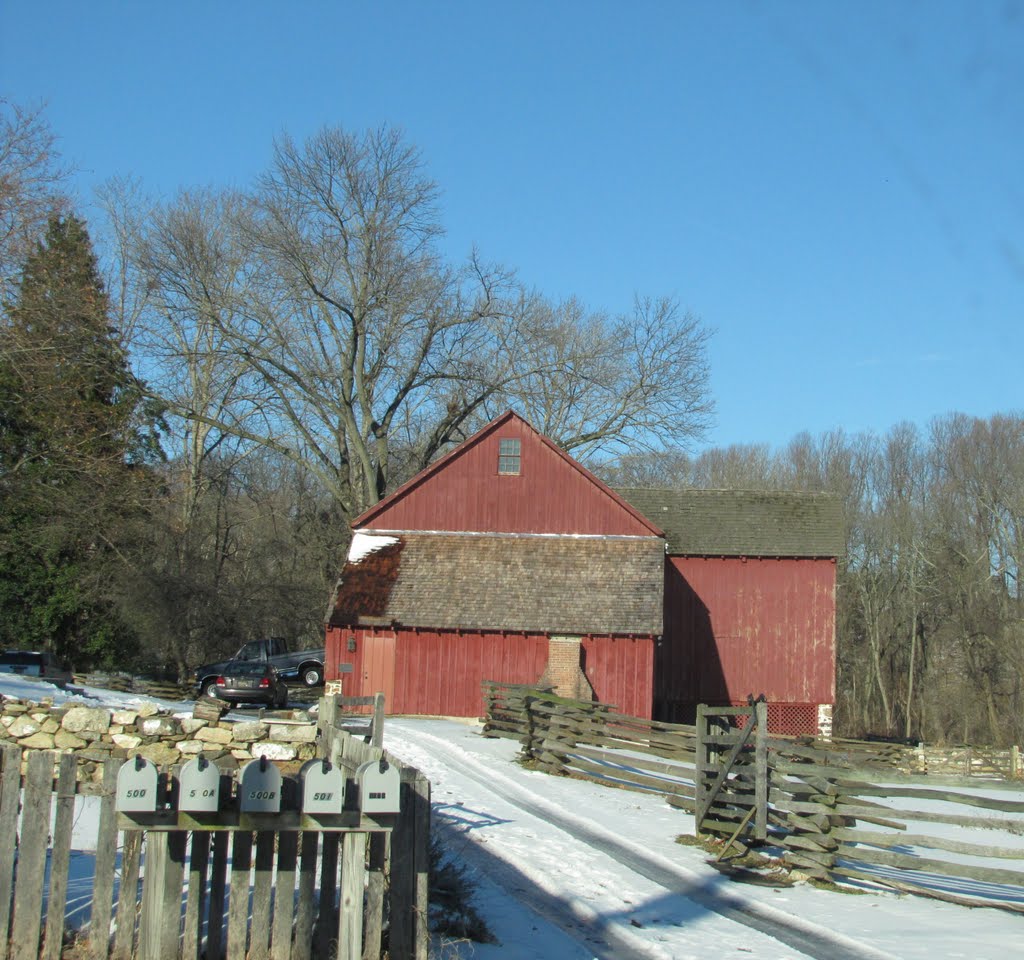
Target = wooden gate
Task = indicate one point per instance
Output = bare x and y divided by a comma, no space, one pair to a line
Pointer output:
731,778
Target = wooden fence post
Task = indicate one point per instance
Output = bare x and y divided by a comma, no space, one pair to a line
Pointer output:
304,919
262,891
106,858
35,829
238,894
195,907
421,857
534,743
761,770
326,928
10,800
284,895
700,763
327,724
218,891
401,893
353,881
410,867
373,925
127,898
378,721
160,925
60,859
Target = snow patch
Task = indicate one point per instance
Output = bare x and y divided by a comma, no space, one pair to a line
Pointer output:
363,544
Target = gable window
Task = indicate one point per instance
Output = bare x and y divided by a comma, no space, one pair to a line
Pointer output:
508,458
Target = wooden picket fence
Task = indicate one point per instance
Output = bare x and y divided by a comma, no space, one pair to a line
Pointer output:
274,895
820,803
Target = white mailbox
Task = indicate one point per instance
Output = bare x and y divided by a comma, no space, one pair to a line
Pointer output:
199,786
379,787
137,786
323,787
259,787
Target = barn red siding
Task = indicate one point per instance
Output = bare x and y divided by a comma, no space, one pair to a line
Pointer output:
550,494
439,674
436,673
620,671
735,627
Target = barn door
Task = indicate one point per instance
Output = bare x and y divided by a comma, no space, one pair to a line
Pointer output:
378,666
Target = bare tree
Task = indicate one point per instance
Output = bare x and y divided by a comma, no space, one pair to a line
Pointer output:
361,354
979,505
179,272
31,185
601,386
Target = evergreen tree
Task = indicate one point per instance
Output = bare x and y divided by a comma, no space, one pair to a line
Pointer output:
75,438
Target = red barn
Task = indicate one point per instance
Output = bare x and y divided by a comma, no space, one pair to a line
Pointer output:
750,602
506,560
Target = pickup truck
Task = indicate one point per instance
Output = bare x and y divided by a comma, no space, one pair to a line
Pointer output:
305,666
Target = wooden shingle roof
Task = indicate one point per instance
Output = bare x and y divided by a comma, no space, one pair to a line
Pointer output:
549,584
744,523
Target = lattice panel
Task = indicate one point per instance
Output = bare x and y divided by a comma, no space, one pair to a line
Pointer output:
789,719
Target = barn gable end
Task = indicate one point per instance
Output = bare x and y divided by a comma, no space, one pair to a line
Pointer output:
550,493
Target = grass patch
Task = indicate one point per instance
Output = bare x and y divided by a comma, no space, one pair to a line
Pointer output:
714,846
453,915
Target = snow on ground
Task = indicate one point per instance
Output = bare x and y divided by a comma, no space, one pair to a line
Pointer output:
25,688
520,831
570,870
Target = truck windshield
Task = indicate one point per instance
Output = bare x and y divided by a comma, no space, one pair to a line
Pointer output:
251,651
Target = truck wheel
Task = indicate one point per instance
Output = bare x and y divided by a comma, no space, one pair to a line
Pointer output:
312,676
209,688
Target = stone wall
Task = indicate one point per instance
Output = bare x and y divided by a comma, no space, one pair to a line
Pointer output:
95,734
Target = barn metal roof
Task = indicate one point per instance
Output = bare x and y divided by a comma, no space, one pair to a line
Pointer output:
747,523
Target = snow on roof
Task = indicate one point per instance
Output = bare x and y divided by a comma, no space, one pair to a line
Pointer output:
364,544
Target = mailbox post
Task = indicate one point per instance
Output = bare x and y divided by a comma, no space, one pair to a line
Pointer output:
197,801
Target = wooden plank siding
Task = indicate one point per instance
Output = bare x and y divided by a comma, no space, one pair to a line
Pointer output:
552,493
620,670
736,626
438,673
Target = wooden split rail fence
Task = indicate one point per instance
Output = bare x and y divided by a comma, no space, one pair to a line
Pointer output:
262,887
834,809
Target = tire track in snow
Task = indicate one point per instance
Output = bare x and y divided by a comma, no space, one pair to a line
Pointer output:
602,942
809,938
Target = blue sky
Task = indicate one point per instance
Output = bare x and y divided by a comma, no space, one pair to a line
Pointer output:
835,188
